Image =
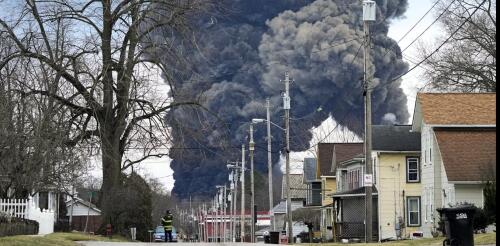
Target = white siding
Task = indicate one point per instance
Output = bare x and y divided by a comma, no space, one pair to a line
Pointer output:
428,171
80,210
469,193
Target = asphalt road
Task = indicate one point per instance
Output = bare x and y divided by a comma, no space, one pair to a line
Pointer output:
94,243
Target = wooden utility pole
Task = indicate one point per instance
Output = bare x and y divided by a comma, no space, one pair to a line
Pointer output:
369,8
252,185
242,234
286,107
270,163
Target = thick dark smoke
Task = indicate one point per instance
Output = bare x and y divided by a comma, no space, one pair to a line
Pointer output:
243,56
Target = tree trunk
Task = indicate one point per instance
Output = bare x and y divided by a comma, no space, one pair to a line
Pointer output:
111,171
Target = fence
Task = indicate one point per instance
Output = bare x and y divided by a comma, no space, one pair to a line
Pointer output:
15,207
28,209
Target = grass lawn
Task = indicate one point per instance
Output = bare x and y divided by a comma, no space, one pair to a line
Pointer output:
479,239
56,239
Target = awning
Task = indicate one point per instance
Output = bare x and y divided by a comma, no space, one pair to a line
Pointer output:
359,192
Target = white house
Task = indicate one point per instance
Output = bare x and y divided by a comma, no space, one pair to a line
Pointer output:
458,148
84,216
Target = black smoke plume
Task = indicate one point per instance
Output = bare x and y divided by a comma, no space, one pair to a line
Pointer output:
239,61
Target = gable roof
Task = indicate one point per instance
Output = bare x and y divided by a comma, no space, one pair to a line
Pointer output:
309,170
467,154
345,151
395,138
456,108
82,202
297,187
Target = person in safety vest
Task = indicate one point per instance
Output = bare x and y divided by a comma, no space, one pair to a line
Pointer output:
166,222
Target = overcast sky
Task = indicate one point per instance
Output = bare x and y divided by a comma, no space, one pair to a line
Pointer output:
411,82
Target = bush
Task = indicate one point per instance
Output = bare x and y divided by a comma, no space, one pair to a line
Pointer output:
11,226
480,220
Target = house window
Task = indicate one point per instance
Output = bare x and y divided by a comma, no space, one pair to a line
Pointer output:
413,204
412,170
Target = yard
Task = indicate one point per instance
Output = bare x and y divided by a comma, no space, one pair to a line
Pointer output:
55,239
479,239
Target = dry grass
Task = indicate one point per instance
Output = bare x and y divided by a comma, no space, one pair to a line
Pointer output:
479,239
56,239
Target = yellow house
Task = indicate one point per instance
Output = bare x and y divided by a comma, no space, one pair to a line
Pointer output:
397,177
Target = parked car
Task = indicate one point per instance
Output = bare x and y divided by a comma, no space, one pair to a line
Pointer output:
159,234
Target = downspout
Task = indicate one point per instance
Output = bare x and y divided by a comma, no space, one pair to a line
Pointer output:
404,211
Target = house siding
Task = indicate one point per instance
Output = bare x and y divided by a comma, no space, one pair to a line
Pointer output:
329,187
392,192
470,193
80,210
431,180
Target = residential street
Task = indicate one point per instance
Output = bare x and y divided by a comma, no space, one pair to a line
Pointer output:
94,243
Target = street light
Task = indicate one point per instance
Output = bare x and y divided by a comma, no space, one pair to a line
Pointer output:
269,158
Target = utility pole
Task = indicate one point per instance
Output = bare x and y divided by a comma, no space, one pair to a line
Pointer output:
270,163
224,205
286,107
252,187
368,15
233,200
242,234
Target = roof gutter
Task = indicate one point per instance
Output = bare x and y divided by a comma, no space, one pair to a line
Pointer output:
467,182
398,151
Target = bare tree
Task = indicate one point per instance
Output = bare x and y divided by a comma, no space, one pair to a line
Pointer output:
467,60
95,54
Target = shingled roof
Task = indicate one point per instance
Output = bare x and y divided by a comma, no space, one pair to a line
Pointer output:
395,138
467,154
457,108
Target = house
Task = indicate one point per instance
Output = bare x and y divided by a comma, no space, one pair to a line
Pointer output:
310,179
84,216
298,192
329,155
349,200
458,146
396,157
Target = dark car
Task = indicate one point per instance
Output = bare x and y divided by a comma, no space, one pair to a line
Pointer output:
159,234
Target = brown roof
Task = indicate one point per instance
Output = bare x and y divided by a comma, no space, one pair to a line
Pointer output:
458,108
338,152
467,154
298,189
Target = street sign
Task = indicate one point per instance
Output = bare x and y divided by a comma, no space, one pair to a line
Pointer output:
368,180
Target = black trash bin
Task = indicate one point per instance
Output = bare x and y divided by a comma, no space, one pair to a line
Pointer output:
458,225
274,237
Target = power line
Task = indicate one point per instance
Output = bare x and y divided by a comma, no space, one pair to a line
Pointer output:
439,47
419,36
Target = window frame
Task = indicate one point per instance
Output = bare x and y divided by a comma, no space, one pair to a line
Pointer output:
419,169
408,217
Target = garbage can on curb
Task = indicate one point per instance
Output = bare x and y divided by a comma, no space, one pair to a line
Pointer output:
274,237
458,225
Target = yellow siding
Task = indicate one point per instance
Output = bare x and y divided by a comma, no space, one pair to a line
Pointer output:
392,190
329,186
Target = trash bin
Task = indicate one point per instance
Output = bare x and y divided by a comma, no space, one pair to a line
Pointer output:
274,237
458,225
